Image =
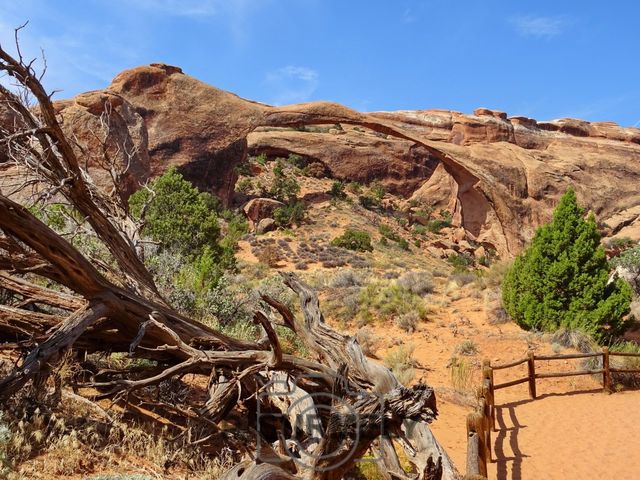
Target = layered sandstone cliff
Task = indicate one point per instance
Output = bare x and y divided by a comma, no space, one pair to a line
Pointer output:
500,176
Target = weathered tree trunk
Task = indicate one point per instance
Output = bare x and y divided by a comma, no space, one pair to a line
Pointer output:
351,401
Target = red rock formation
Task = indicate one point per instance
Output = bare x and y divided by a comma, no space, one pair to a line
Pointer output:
500,176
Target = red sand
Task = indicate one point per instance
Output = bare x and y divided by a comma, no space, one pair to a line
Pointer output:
575,435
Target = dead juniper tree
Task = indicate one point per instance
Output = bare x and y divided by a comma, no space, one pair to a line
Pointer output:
309,418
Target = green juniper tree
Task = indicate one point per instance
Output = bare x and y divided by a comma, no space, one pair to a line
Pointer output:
561,280
185,221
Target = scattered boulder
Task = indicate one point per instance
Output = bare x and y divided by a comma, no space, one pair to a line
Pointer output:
258,209
266,225
480,252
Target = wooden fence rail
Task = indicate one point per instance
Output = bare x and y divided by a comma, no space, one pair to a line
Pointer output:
482,421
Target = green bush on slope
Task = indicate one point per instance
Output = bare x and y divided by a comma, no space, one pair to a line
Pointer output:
561,279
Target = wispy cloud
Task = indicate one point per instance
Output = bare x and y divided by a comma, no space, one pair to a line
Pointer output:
539,26
408,16
72,62
292,84
235,13
80,55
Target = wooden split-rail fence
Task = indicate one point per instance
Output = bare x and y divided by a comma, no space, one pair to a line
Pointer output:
482,421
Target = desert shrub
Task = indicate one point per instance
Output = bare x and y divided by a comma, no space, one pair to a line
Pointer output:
178,215
357,240
388,301
283,188
620,243
630,261
461,374
344,304
315,170
58,216
244,185
223,305
400,360
297,160
497,316
354,187
561,280
260,159
243,168
403,244
373,198
408,321
466,348
377,191
418,282
269,255
367,340
420,229
367,201
575,339
434,226
625,363
495,275
337,190
463,278
294,213
346,279
460,262
387,232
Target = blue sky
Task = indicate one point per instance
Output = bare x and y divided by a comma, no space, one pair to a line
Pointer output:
544,59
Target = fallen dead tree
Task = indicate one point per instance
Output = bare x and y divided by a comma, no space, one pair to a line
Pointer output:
309,418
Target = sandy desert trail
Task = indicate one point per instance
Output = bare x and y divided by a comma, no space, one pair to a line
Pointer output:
579,435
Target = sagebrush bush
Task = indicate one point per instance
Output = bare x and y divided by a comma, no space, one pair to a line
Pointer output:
408,321
347,278
418,282
467,347
315,170
367,340
561,280
387,232
387,301
400,361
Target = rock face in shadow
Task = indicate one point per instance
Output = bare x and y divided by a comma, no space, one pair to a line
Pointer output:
401,165
499,176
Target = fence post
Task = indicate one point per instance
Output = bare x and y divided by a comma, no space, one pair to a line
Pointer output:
531,365
487,374
484,409
606,372
476,455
